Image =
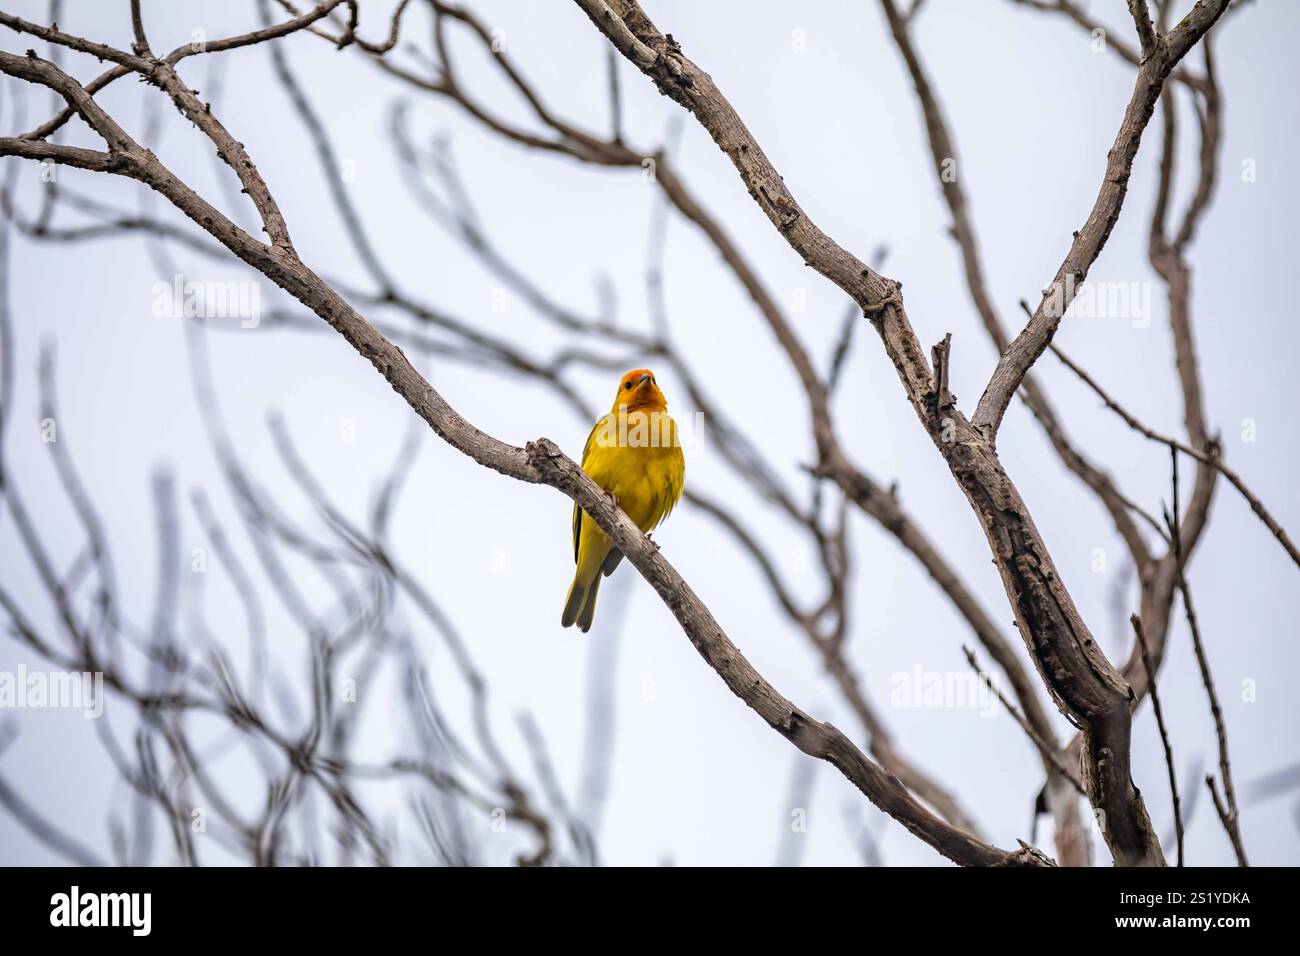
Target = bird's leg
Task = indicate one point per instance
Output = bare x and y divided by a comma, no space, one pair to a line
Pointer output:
649,537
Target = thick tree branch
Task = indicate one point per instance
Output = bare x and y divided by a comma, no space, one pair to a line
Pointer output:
1082,680
1145,28
943,150
862,490
540,462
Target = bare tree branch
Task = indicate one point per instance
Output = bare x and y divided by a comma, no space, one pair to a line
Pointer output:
540,462
1082,680
1164,732
1210,458
1091,238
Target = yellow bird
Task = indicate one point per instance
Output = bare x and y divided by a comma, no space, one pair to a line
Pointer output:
633,453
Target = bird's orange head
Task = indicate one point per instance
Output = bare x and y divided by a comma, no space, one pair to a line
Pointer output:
637,391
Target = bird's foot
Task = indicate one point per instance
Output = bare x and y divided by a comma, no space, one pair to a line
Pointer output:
655,544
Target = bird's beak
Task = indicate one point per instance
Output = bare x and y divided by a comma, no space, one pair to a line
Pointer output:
643,379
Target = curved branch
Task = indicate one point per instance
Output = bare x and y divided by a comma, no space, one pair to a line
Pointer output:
540,462
1083,681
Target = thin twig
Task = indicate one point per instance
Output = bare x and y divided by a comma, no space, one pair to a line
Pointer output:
1164,732
1230,817
1049,753
1212,459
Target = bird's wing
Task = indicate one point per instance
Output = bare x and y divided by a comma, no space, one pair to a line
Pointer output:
675,482
577,531
674,479
577,512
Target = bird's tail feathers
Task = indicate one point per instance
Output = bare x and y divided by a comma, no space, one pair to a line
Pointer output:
580,605
589,606
573,603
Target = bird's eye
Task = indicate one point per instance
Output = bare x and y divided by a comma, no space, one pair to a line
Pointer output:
628,387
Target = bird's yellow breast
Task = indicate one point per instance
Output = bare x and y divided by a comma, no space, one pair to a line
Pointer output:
641,464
